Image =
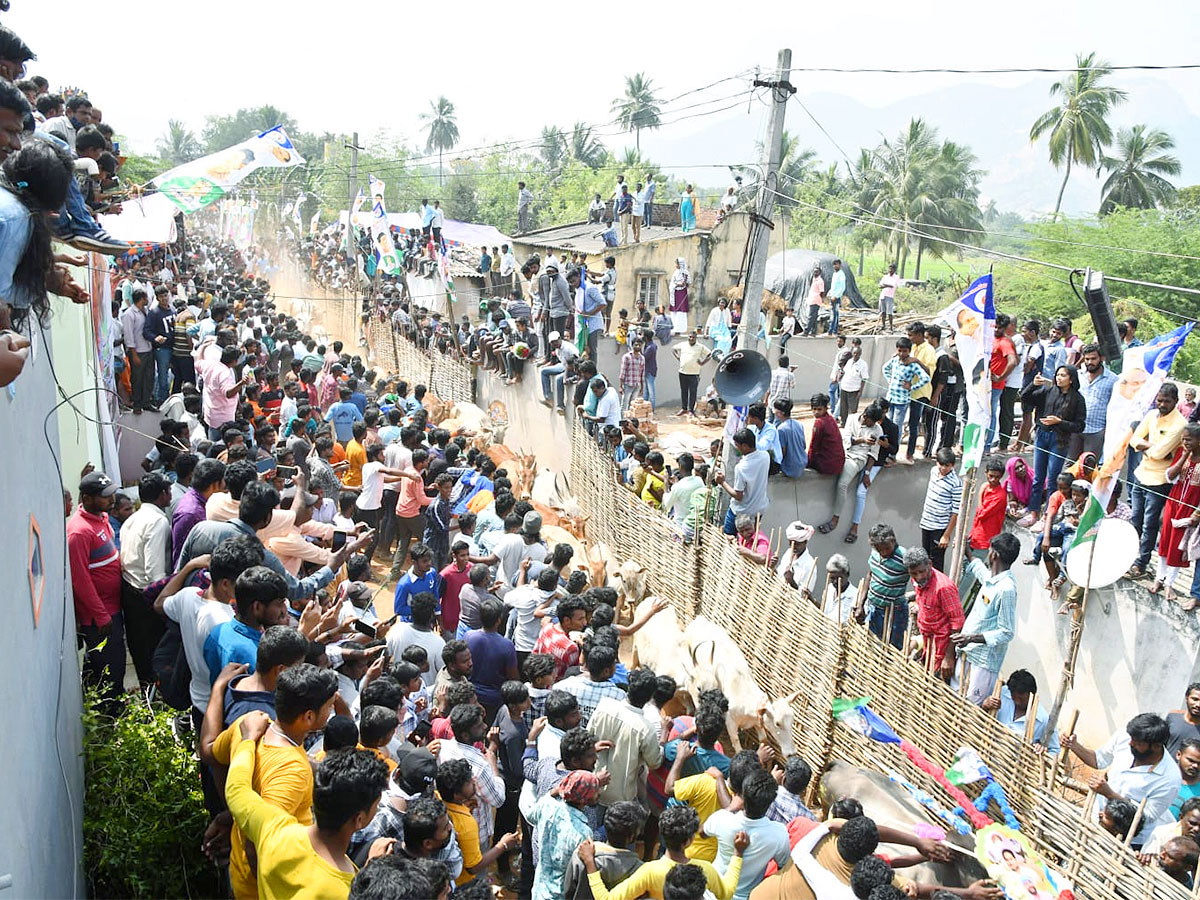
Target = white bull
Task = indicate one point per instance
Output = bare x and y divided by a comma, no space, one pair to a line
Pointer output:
717,662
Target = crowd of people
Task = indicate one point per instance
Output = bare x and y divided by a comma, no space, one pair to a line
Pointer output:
487,729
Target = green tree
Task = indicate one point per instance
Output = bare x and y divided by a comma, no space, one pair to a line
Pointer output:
639,107
221,132
925,188
585,147
442,129
1136,176
553,148
1077,127
178,144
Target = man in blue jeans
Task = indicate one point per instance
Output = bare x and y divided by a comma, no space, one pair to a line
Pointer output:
560,355
1156,438
837,290
159,330
887,586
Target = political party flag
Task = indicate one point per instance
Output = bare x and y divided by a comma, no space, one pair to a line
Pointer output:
297,214
1143,371
854,713
381,232
196,184
973,318
581,338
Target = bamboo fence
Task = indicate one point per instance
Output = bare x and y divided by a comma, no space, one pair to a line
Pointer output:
791,645
449,379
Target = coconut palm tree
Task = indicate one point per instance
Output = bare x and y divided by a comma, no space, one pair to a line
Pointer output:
442,129
585,147
553,149
179,144
639,107
1136,175
921,189
1078,127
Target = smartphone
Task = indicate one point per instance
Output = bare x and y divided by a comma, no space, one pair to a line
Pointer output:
266,465
286,471
339,540
420,734
363,627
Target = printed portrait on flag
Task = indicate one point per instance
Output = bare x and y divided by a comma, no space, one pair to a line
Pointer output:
973,318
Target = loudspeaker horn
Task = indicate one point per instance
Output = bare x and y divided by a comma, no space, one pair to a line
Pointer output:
743,376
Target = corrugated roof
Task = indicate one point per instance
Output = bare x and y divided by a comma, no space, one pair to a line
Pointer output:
583,236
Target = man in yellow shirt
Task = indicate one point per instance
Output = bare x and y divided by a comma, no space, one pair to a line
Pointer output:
924,355
297,861
1156,438
282,773
456,787
677,826
705,793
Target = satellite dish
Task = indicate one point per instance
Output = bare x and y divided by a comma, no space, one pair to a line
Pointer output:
1116,548
743,377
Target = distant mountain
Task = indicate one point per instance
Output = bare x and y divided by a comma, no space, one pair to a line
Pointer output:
993,121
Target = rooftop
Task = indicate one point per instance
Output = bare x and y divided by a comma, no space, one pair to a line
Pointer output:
584,236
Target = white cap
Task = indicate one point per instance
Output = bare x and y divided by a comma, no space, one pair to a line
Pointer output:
554,336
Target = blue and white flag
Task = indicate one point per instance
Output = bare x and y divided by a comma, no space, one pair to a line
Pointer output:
973,318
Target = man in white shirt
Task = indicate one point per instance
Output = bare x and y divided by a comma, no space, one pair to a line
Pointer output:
508,265
639,210
145,559
404,634
797,564
526,602
768,839
678,499
608,407
748,493
1139,767
837,290
862,448
854,375
636,742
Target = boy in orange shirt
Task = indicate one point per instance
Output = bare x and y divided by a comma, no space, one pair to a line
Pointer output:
376,727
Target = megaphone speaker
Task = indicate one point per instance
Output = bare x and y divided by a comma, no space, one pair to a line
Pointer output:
743,377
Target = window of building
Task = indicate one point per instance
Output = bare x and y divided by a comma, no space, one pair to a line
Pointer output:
648,288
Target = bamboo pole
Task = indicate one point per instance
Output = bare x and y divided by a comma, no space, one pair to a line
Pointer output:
1137,822
1068,672
997,692
1031,717
1062,759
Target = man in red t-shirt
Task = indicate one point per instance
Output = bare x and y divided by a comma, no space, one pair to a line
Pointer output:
456,575
826,453
1003,361
96,585
939,611
989,517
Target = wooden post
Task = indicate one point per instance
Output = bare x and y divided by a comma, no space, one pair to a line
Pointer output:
1137,822
960,546
1068,672
1060,761
1031,718
997,692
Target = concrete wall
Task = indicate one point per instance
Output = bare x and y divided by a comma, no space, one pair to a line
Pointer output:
41,780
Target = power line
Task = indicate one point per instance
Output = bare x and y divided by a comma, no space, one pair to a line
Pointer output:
1003,70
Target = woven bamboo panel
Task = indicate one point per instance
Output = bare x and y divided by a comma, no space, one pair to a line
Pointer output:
630,528
451,379
789,644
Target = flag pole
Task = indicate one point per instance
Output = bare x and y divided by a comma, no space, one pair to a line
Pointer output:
1068,672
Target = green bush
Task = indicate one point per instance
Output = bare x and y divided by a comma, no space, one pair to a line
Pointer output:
143,812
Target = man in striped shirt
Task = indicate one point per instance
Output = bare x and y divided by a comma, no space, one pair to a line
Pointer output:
466,720
886,587
632,377
939,515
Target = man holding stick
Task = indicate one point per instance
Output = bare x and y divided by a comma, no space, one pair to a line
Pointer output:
984,637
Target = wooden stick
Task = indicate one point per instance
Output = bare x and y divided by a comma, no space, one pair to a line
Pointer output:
1137,821
1031,717
997,693
965,679
1060,760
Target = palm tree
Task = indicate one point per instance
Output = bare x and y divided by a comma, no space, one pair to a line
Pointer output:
1136,175
553,149
639,107
585,147
443,129
924,188
179,144
1078,127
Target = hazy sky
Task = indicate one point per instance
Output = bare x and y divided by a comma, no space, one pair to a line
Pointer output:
510,69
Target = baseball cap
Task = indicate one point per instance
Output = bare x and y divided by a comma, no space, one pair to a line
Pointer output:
531,524
554,336
97,484
417,770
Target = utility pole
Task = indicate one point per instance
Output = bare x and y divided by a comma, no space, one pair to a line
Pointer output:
761,223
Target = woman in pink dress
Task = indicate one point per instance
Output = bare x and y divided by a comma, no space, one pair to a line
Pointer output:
680,286
1181,512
